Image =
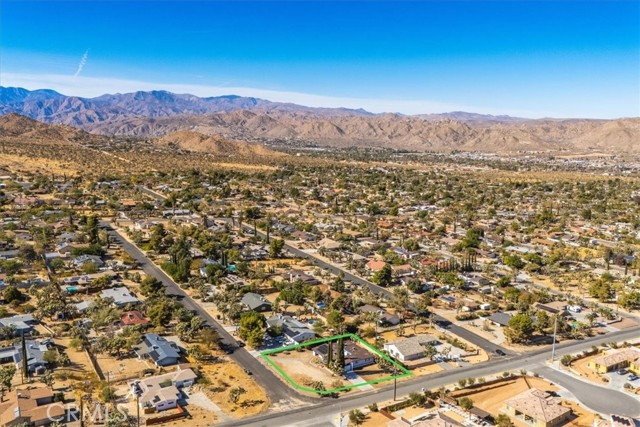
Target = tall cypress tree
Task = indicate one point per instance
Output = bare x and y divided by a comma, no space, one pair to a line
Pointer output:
330,354
25,366
340,355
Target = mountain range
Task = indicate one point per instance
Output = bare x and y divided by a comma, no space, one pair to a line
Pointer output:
161,113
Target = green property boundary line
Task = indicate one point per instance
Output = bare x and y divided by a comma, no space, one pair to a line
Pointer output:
265,354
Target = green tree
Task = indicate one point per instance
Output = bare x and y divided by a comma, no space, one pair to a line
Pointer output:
384,276
235,393
335,320
150,286
520,328
430,352
275,248
465,403
160,311
417,399
566,360
252,328
503,420
11,294
601,289
6,376
107,393
339,363
47,379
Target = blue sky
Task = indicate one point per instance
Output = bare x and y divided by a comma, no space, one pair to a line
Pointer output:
535,59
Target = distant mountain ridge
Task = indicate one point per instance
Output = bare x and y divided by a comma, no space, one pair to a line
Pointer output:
160,113
52,107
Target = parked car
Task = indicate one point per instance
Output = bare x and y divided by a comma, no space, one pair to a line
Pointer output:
632,377
500,352
622,372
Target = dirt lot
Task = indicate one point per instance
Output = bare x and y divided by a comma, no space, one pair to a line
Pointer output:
374,419
225,376
303,367
371,373
121,369
424,370
80,367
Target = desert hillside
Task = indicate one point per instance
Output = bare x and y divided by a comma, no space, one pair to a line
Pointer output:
212,144
210,124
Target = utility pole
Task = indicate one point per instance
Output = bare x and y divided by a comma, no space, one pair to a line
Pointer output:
81,411
395,381
553,346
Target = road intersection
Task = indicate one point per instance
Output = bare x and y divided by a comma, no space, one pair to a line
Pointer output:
595,397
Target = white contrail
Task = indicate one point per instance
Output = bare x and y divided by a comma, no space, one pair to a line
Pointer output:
82,63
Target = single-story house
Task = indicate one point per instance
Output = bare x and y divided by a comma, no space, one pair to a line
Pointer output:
554,307
355,357
81,260
329,244
439,420
500,319
133,318
294,331
121,296
374,265
628,358
255,302
22,323
158,349
162,392
35,355
32,407
298,275
537,408
386,318
409,348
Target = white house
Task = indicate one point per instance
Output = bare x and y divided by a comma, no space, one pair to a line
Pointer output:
409,348
162,392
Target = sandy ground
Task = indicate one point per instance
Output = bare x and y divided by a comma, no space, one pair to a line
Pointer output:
40,165
374,419
80,368
122,368
223,377
625,323
580,366
303,368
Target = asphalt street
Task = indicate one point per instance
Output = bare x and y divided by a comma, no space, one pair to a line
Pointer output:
276,389
597,398
463,333
594,397
533,362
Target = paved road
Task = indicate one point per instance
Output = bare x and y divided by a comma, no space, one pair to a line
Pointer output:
486,345
463,333
151,193
535,362
596,398
276,389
